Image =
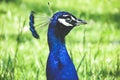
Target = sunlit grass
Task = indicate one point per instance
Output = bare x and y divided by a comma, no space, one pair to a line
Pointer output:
94,48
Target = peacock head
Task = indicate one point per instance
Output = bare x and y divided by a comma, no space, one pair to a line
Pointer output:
65,21
61,22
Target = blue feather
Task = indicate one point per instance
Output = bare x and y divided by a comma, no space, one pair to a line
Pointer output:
59,64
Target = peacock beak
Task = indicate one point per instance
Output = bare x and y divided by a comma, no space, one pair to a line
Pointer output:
79,22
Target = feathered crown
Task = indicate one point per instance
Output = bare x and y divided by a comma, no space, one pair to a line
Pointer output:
38,20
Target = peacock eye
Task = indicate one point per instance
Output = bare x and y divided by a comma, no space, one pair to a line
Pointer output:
68,19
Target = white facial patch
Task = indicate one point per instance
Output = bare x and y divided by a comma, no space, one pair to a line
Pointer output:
63,21
73,18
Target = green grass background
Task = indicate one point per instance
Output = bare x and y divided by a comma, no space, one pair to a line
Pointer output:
94,48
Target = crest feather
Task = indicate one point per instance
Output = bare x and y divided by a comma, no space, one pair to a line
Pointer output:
38,20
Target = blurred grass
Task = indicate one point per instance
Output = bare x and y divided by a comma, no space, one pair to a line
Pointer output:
24,58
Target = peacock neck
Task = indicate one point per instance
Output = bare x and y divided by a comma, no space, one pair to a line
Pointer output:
59,64
56,35
56,40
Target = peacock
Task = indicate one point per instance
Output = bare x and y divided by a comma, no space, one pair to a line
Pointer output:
59,64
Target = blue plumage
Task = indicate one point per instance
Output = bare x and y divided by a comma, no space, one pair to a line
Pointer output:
59,65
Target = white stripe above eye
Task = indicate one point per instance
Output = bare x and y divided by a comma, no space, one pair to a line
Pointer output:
65,15
62,21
